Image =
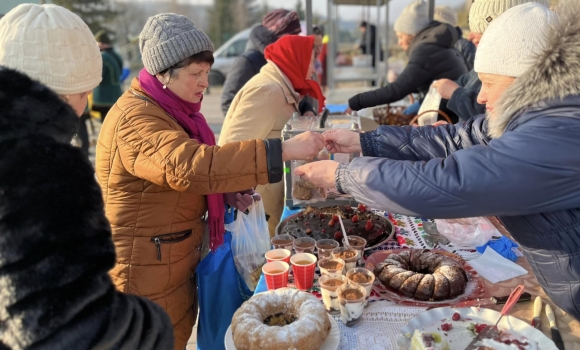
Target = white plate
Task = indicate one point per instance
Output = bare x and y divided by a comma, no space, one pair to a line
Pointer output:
331,342
459,337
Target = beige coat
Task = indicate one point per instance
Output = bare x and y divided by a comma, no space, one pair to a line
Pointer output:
260,110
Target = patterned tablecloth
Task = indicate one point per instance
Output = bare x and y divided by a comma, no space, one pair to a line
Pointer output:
411,234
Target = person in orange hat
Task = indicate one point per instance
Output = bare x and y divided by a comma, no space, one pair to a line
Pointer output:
266,103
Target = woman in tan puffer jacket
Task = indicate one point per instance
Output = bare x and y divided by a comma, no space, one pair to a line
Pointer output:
160,170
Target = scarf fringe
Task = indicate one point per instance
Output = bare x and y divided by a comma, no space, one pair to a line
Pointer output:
217,231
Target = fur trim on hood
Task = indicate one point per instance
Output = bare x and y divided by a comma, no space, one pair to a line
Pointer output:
555,75
30,108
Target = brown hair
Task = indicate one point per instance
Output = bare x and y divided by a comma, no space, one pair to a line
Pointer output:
200,57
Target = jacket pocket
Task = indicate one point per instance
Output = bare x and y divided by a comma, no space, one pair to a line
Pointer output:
169,239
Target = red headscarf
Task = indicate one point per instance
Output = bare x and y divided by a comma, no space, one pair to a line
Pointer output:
292,54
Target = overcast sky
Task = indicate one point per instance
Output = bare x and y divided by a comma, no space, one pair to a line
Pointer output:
346,12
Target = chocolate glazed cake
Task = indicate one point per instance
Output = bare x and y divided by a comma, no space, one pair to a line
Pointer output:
422,274
321,223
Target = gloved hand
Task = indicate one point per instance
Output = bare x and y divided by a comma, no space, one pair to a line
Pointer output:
502,246
242,200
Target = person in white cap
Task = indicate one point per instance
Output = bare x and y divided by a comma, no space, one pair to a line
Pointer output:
446,14
53,46
461,95
429,46
520,162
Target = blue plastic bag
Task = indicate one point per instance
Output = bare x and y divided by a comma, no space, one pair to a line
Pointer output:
221,291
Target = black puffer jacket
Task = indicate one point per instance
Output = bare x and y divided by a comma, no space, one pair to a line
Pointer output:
55,242
431,57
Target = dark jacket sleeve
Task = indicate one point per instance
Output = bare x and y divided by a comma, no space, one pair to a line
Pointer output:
242,71
515,174
415,75
426,142
463,102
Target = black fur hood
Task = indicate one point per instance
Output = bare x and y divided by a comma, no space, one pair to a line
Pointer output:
260,37
27,107
56,246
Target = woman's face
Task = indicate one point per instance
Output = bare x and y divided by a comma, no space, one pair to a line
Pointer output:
311,69
190,83
317,45
493,87
404,40
78,102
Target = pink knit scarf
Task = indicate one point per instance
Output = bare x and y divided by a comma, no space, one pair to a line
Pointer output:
189,118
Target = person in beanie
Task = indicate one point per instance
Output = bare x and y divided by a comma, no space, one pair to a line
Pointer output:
55,241
106,94
266,103
519,162
54,46
445,14
430,47
161,171
275,25
460,96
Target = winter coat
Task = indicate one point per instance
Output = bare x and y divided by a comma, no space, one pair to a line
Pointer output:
109,90
527,171
466,48
154,180
260,110
55,241
431,57
463,101
247,65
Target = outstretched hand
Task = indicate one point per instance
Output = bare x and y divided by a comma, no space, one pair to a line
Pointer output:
320,173
304,146
342,141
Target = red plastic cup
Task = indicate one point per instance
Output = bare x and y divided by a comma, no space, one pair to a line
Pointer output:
303,265
276,274
278,255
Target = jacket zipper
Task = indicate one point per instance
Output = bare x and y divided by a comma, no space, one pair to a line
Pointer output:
169,238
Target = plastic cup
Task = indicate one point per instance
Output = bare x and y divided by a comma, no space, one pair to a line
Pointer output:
359,244
283,242
303,265
325,247
328,288
278,255
352,299
364,278
348,254
304,245
276,274
333,267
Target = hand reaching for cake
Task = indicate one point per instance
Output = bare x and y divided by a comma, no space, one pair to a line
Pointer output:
304,146
342,141
320,173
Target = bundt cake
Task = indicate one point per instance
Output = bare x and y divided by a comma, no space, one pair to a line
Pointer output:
422,274
281,319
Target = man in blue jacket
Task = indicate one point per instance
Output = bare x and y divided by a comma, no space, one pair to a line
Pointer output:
520,162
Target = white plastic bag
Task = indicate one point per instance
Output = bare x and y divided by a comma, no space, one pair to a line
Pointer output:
431,102
250,241
468,232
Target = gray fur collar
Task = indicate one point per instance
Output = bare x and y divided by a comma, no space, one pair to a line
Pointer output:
555,75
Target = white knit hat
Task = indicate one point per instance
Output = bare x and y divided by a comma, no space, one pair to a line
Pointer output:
510,44
482,12
52,45
413,19
445,14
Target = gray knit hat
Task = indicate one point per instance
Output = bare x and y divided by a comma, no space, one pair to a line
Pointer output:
168,39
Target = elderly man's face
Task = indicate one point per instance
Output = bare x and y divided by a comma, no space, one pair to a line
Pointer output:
493,87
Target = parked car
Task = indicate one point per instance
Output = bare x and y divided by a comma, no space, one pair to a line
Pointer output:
225,56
